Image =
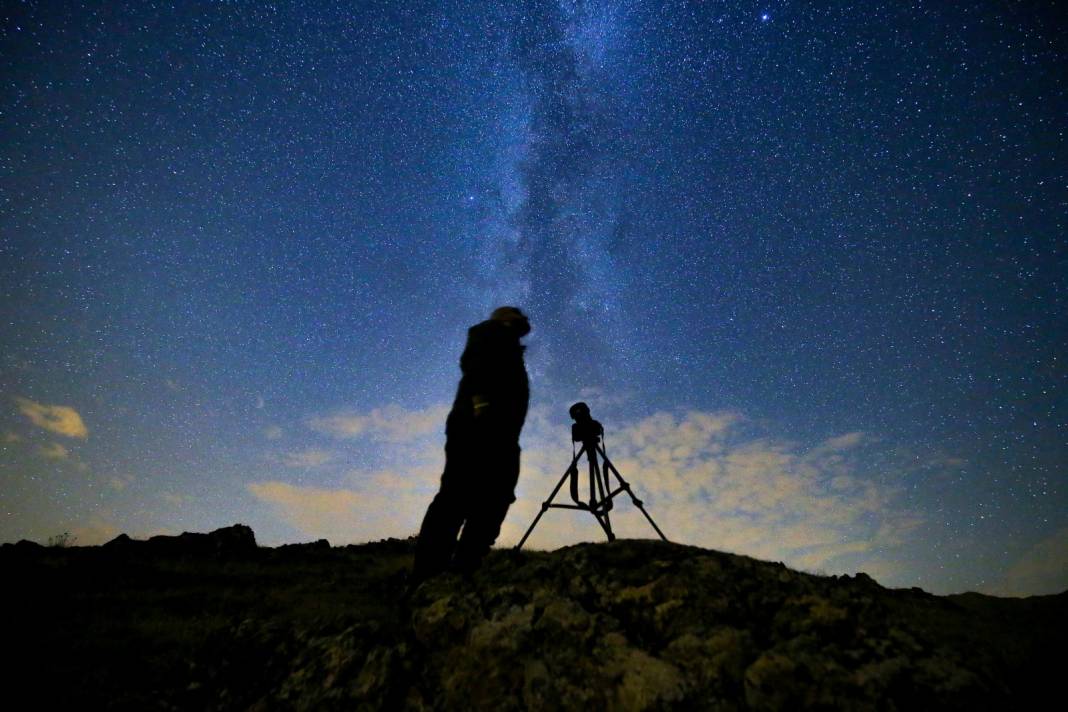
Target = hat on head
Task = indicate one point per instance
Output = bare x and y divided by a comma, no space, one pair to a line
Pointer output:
507,314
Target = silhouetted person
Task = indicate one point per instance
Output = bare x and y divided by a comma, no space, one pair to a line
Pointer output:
481,448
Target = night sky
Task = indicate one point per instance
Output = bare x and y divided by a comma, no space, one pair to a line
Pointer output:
809,266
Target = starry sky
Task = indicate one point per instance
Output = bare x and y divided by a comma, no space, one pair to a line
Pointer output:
807,263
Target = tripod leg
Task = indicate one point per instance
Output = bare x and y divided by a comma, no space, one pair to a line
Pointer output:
607,524
609,467
600,503
604,503
602,519
638,504
604,488
575,484
592,457
546,503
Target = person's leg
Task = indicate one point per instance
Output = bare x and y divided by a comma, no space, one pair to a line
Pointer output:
496,492
444,517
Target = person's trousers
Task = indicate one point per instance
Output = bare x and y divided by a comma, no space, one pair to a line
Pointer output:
477,487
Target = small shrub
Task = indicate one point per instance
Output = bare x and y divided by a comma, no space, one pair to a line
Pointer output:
63,540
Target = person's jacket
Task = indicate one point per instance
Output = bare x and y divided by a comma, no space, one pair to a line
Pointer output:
494,392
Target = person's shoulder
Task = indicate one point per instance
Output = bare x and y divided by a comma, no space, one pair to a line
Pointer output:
491,335
486,329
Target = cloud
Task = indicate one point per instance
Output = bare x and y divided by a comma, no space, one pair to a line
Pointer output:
97,531
371,502
120,482
389,424
308,508
60,419
705,477
839,443
306,458
176,500
58,452
704,484
54,451
1042,570
370,506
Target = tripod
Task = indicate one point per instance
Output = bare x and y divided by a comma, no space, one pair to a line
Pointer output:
589,432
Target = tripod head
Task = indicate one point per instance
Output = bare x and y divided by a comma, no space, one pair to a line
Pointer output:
586,430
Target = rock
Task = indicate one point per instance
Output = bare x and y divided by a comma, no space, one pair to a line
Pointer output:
631,625
317,545
24,549
27,545
121,541
641,681
772,683
234,540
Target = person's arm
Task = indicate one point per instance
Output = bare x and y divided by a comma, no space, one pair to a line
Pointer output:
476,364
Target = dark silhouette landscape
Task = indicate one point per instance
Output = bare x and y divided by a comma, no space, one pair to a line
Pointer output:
215,622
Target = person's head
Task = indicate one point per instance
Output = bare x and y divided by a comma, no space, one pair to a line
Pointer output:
512,318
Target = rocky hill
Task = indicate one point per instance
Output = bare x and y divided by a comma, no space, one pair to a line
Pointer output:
213,622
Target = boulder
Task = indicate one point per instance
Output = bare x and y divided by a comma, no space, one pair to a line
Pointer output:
228,541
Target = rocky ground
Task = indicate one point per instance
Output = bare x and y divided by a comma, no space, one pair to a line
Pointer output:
213,622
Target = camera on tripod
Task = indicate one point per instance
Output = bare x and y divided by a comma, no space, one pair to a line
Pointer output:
586,430
590,433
